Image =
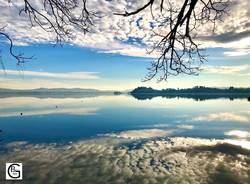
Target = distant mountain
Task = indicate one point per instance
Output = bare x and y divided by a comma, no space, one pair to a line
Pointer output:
53,92
198,93
49,90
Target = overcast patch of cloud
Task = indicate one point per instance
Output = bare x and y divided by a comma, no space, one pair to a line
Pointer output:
230,36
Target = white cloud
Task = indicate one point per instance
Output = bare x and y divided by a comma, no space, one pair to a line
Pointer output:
28,83
222,116
238,133
189,127
242,143
140,134
239,69
111,32
132,51
66,75
161,125
237,52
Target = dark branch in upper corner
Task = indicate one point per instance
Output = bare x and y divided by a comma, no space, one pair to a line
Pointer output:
126,14
20,58
177,47
56,17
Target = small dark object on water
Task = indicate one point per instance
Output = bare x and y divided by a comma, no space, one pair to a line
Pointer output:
117,93
248,98
21,113
56,106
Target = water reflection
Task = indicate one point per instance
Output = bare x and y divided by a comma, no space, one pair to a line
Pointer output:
73,111
118,139
224,116
28,106
65,119
140,134
109,160
196,97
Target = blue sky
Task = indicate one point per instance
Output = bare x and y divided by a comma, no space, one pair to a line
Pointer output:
114,56
112,71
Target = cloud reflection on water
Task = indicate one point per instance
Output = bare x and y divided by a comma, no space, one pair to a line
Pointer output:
105,160
223,116
238,133
29,106
35,112
140,134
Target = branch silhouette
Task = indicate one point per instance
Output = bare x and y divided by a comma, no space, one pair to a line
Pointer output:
179,52
20,58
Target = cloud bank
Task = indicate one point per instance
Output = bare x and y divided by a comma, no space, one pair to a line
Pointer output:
66,75
130,36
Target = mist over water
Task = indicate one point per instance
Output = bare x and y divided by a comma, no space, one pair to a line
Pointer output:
119,139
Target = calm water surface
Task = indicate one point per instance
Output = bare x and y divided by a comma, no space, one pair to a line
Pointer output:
69,119
84,137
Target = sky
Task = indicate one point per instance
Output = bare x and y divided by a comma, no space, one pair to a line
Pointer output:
114,55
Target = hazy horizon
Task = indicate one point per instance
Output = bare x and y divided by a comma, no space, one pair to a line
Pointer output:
124,90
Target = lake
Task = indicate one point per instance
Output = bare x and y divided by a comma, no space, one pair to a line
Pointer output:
120,139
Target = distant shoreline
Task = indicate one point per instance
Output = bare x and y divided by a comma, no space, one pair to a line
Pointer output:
53,93
197,93
141,93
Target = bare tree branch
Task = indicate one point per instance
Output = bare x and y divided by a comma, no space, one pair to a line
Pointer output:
177,45
179,53
57,17
126,14
19,57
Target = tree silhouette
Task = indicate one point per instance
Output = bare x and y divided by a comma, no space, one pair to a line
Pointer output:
56,16
177,47
178,50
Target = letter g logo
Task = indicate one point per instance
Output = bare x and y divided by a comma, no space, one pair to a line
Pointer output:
14,171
